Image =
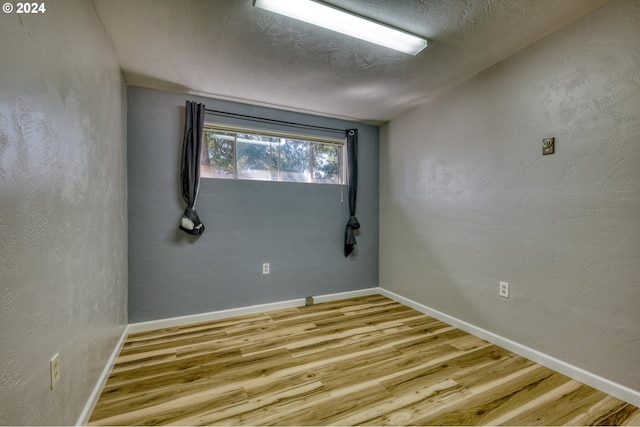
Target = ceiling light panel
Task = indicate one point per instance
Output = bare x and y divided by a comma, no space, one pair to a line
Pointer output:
346,23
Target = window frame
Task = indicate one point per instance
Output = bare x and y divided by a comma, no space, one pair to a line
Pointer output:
269,133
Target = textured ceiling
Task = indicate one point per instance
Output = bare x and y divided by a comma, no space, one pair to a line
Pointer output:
229,49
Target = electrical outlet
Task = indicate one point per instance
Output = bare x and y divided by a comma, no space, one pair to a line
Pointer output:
54,369
503,291
265,268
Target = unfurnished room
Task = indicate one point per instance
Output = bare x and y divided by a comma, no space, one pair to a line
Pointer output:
306,212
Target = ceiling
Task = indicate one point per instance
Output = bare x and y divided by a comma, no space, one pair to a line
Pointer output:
229,49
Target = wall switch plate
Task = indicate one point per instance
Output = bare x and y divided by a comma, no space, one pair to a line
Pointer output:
266,268
504,290
548,146
54,369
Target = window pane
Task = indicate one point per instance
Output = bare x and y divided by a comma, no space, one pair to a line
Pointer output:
217,155
326,163
294,160
257,157
230,153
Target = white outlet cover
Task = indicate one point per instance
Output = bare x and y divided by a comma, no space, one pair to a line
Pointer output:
504,289
54,369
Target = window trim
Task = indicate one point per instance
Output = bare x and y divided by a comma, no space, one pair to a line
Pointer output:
274,133
213,126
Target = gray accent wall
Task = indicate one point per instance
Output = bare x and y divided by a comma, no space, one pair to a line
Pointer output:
468,200
296,227
63,213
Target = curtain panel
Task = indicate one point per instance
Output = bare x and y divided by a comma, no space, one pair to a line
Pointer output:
190,168
352,182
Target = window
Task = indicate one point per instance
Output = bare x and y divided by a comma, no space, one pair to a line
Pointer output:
258,155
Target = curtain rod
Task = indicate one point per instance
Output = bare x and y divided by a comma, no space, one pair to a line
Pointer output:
279,122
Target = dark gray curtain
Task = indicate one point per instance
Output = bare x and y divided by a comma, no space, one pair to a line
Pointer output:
352,181
190,169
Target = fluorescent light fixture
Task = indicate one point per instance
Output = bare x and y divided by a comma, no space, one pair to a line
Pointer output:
338,20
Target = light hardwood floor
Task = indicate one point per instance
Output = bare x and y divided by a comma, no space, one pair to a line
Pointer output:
366,360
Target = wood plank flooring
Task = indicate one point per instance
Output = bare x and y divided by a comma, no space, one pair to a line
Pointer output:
368,361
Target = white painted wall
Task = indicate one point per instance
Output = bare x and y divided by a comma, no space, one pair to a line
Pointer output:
63,230
467,199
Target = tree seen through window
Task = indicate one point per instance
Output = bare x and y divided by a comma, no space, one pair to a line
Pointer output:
271,158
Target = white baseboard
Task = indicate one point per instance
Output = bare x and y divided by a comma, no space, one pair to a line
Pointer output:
102,381
345,295
614,389
242,311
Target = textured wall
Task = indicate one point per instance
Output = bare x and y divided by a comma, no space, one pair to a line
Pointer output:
467,199
63,232
296,227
